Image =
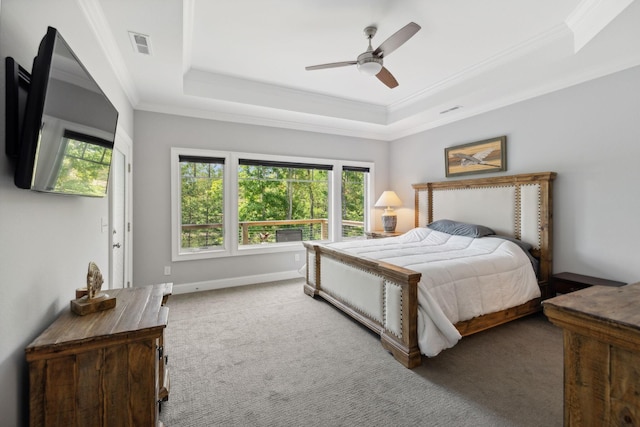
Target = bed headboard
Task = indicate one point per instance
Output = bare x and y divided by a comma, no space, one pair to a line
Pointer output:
519,206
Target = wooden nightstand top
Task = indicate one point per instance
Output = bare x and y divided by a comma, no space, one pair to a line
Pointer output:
586,280
569,282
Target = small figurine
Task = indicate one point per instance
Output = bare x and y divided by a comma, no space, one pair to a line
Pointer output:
94,281
91,300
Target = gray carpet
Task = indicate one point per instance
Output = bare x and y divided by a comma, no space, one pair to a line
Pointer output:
268,355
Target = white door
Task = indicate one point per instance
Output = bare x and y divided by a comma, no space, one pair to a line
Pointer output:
119,197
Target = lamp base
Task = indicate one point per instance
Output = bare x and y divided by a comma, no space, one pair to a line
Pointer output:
389,223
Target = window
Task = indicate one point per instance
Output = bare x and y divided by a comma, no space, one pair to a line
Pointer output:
226,204
201,202
354,201
276,196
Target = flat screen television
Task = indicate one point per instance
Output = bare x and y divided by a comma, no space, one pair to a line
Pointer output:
68,126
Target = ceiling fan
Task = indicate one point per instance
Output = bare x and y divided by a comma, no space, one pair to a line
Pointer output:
371,61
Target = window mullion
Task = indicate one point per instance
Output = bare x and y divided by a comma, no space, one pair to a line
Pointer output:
335,204
232,225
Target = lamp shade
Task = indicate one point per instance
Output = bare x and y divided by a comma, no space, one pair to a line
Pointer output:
388,199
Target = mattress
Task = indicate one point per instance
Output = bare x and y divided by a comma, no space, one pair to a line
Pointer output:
462,278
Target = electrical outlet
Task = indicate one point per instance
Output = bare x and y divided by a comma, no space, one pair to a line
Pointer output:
167,270
297,257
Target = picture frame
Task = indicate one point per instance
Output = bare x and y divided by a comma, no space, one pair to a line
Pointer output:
488,155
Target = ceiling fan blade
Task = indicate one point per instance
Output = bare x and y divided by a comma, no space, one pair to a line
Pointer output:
331,65
397,39
387,78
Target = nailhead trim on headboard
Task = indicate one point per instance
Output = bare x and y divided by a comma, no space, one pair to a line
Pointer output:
518,214
538,215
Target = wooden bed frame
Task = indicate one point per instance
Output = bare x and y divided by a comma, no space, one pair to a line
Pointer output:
384,297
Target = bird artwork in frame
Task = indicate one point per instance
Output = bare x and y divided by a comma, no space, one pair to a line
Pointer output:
489,155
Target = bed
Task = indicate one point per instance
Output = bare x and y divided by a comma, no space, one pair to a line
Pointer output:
386,285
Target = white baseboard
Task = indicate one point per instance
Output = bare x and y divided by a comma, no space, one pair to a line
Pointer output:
209,285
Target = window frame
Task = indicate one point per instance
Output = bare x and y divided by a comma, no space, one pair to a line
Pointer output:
177,254
231,246
366,193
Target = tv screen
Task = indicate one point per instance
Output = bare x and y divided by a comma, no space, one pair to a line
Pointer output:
69,126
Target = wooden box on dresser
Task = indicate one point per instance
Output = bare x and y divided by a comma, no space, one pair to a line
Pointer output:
105,368
601,327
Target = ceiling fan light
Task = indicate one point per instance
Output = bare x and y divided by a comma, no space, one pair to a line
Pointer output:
370,68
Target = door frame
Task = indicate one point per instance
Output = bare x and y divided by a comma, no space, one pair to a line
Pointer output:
123,143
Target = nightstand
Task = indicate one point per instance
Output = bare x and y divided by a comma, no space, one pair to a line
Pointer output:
563,283
379,234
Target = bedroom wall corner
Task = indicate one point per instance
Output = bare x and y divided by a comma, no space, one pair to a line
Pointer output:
588,134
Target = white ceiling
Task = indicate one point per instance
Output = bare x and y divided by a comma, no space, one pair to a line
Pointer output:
244,60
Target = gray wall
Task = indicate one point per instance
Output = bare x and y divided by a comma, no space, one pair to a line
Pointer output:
155,134
47,240
590,135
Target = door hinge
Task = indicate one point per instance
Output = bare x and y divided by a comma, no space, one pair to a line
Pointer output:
128,226
129,167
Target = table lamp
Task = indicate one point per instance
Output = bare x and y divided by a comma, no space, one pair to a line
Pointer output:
387,200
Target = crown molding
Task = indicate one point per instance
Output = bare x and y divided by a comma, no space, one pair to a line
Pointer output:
259,116
98,23
591,16
205,84
403,108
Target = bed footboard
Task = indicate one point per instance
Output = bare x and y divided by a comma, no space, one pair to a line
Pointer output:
381,296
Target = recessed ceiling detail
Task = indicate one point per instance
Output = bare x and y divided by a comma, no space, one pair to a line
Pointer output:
214,59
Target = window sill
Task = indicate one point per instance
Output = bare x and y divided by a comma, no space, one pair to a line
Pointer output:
200,254
267,248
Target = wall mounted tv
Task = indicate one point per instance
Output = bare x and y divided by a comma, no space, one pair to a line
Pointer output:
62,128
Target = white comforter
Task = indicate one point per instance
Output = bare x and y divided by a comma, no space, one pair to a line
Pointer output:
462,278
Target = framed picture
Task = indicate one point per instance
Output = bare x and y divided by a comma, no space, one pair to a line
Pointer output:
489,155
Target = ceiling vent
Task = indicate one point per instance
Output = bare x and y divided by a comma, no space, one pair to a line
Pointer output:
141,43
448,110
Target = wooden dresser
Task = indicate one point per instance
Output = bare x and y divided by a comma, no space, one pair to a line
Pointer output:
601,354
105,368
